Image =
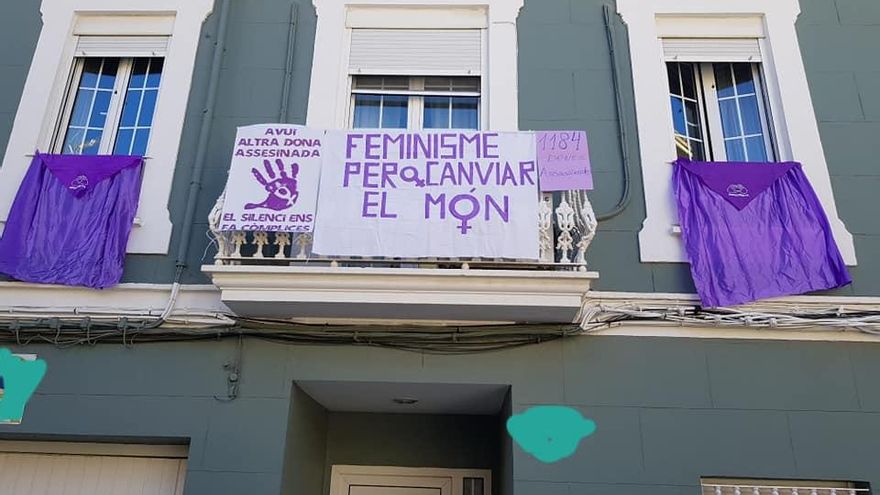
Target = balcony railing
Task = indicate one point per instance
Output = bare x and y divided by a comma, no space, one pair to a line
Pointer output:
567,226
770,489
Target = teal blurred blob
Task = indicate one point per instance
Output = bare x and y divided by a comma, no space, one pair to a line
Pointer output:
20,380
550,433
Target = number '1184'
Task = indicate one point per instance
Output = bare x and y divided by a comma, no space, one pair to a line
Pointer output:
562,141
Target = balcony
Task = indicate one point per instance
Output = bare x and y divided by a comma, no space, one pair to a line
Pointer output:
275,275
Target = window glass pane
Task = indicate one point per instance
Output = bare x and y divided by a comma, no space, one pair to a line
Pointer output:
723,80
437,112
674,78
698,151
678,119
751,117
438,84
108,73
99,109
130,108
688,81
394,112
73,141
139,73
91,70
92,144
366,111
148,107
756,149
745,83
154,75
465,113
141,138
123,142
693,113
735,150
81,107
730,118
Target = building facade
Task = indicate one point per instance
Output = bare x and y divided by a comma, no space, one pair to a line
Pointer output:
235,363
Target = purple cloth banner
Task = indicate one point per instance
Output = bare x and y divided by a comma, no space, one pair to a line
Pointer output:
754,231
71,219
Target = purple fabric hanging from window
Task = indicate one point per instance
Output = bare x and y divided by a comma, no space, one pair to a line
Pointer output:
754,231
70,221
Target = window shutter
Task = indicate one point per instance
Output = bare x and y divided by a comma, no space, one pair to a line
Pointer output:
122,46
712,50
416,52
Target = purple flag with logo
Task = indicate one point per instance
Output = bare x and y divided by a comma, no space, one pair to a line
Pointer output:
70,221
754,231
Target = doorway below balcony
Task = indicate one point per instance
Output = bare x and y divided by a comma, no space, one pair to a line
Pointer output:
371,438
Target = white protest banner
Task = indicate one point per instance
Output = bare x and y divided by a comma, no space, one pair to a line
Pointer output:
428,194
273,181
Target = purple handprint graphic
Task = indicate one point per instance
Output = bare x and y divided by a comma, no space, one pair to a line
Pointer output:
280,186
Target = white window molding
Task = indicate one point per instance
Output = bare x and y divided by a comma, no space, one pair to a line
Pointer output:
35,122
329,92
793,116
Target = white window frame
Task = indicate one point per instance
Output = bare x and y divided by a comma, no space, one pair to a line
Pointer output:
45,90
710,111
114,112
448,481
416,101
330,87
793,117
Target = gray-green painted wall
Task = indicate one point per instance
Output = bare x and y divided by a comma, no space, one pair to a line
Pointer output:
668,410
564,82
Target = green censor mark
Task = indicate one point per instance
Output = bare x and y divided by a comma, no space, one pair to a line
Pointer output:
550,433
19,379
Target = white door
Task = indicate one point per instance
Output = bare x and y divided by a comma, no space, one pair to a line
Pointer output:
392,490
65,472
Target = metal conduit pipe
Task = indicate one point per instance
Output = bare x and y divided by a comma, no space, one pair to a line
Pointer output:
284,111
624,138
195,184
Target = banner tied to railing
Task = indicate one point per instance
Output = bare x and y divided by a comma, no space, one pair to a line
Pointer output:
273,181
443,194
428,194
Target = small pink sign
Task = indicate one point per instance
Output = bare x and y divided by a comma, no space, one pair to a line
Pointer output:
564,161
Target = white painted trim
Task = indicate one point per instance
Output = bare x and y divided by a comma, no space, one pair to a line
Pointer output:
402,293
329,89
449,481
95,449
47,80
795,126
676,331
196,304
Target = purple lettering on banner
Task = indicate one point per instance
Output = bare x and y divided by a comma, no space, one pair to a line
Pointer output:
389,170
474,140
351,168
371,171
371,146
350,145
490,146
465,215
503,212
368,204
387,140
438,201
448,148
526,172
383,210
564,161
429,166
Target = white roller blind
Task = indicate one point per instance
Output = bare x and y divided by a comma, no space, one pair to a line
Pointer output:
712,50
416,52
122,46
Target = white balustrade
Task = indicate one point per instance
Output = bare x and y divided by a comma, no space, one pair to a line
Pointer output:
566,226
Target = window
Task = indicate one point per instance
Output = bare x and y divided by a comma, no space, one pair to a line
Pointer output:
156,39
719,111
728,486
719,80
399,102
110,106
